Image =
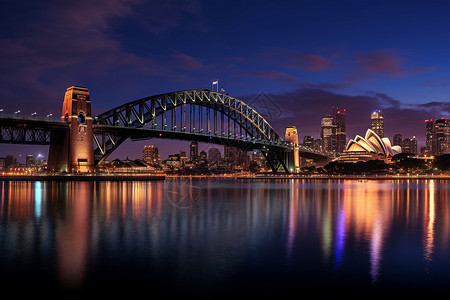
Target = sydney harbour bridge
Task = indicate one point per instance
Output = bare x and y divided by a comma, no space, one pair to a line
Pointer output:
79,142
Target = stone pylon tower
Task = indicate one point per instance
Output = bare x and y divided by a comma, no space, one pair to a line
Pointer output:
291,137
74,150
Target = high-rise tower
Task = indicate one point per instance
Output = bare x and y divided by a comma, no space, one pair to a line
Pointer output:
328,133
377,123
437,136
341,136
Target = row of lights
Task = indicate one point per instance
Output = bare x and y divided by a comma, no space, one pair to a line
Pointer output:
33,114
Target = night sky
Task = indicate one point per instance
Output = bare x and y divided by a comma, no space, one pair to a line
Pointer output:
301,56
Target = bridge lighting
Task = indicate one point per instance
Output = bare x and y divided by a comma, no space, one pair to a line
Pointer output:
17,112
49,115
33,114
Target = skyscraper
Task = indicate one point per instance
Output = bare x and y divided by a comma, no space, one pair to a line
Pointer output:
377,123
429,124
441,137
341,136
437,136
328,134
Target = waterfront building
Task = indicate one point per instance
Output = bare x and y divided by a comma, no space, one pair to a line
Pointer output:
29,160
377,123
371,147
150,154
10,161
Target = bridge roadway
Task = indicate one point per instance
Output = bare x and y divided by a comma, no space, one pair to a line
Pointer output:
15,130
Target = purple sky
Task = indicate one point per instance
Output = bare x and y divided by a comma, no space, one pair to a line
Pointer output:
302,56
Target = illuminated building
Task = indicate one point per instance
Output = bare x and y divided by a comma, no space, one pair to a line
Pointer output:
229,153
409,145
193,151
429,124
370,147
308,141
377,123
437,136
328,134
341,136
441,137
150,154
29,160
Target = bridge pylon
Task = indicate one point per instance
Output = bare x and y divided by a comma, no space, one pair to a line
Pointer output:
291,137
73,150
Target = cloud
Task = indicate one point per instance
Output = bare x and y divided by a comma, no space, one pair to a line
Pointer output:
311,62
272,75
297,60
382,62
159,17
184,61
65,43
305,107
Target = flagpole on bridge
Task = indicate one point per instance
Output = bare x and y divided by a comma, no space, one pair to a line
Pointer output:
217,85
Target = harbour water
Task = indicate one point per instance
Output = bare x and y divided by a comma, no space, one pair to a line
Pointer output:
210,237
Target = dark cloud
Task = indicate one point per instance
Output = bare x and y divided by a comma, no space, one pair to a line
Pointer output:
297,60
272,75
382,62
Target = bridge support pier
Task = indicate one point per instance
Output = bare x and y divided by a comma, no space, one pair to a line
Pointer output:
73,151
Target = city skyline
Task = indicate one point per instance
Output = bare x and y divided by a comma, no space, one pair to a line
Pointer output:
305,57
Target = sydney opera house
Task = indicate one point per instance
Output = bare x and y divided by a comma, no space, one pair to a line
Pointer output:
370,147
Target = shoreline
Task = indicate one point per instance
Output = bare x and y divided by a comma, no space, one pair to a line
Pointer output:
157,177
60,177
348,177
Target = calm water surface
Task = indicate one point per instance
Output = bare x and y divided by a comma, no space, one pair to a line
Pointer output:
207,237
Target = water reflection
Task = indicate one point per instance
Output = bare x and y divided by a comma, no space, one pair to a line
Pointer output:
208,230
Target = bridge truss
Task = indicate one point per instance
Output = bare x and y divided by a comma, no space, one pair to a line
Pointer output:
199,115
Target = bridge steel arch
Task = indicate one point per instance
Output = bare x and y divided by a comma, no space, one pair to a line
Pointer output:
220,117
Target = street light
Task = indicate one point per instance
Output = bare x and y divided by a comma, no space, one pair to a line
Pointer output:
49,115
17,112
